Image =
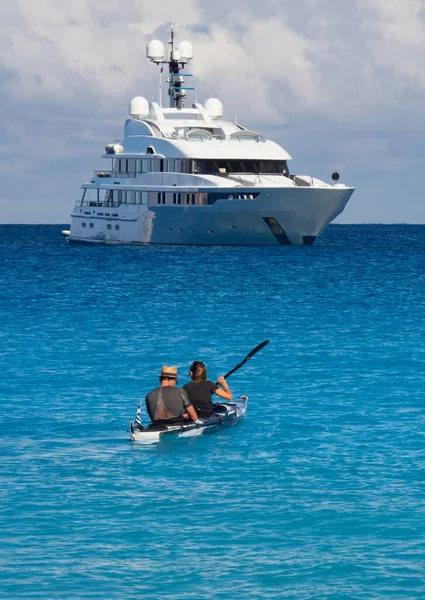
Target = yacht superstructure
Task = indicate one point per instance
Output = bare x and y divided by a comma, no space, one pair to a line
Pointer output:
186,176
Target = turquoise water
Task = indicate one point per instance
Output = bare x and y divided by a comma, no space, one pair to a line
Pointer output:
318,494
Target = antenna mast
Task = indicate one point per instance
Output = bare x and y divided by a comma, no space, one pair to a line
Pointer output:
176,59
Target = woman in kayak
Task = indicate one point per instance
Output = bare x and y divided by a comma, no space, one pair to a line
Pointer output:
201,389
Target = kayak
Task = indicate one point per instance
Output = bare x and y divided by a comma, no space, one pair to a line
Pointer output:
226,414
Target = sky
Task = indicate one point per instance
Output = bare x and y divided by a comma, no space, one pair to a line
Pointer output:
340,84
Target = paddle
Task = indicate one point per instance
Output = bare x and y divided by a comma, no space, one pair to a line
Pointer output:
247,357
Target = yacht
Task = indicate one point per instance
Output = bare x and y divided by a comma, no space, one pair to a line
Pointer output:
186,176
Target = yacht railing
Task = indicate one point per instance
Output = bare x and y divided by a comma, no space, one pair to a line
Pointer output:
130,174
183,136
234,176
219,138
94,204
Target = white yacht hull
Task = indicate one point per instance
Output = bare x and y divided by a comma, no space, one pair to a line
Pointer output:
290,215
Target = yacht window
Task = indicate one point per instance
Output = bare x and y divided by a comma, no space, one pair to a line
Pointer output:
117,227
91,197
144,197
91,225
178,165
170,165
256,167
201,166
83,196
131,165
109,226
156,165
156,130
169,198
108,198
83,224
153,197
146,165
139,165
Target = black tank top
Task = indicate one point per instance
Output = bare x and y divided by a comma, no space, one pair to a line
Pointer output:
200,396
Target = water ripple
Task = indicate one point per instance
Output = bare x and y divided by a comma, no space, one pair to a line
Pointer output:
318,494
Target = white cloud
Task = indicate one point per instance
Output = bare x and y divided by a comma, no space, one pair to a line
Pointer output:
269,59
400,21
68,70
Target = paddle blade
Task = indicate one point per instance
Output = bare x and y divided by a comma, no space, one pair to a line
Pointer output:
258,348
247,357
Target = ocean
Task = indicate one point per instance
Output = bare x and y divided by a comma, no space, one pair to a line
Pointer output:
319,492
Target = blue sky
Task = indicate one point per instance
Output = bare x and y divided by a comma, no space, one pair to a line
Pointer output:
340,84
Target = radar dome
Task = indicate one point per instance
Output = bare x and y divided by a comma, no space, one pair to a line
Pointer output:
186,50
155,50
214,108
139,107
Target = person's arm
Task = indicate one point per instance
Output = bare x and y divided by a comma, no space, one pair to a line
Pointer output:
225,392
148,407
190,411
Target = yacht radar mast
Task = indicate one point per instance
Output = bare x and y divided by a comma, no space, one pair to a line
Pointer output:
176,60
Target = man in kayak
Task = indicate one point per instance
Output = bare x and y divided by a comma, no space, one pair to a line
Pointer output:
167,403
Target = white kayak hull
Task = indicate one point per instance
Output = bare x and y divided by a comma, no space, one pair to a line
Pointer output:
225,415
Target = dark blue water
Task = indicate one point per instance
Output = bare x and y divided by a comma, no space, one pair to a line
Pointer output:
318,494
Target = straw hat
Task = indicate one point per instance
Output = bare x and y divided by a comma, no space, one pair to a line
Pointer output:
170,372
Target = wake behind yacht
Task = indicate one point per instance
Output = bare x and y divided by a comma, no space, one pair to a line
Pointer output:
186,176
